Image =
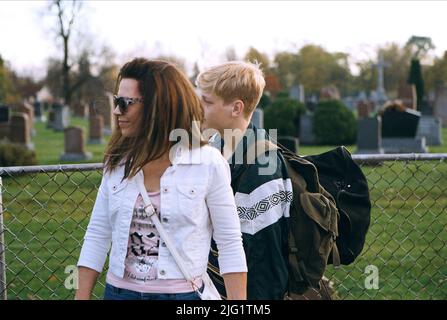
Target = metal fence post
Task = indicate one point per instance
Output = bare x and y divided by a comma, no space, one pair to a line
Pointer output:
3,295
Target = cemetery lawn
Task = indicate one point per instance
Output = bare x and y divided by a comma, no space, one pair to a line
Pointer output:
49,144
406,241
309,150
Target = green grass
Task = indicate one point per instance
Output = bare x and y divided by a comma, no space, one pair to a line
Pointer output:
45,218
49,144
407,239
308,150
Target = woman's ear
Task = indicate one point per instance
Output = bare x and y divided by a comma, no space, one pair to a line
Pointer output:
238,108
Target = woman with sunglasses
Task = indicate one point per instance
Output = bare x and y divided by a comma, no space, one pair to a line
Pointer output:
187,181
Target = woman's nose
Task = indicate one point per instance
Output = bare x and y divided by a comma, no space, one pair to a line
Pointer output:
117,111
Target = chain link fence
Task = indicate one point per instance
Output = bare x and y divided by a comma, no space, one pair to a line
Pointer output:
46,209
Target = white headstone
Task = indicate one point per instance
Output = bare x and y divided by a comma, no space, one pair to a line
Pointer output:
297,93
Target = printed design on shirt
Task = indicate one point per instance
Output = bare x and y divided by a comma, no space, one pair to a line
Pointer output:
142,250
264,205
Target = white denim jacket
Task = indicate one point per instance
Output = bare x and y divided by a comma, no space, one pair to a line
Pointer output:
197,202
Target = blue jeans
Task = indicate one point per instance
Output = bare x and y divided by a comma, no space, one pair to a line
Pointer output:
114,293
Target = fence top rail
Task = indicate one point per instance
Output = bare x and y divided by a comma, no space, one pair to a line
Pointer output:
12,171
359,158
399,157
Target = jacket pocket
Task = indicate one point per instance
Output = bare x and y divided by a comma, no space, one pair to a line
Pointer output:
191,197
191,191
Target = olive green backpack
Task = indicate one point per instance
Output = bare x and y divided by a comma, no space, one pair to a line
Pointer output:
313,224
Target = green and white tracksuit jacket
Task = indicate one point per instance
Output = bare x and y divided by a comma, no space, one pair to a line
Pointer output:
263,204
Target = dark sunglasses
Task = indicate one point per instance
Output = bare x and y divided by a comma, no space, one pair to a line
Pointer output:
123,102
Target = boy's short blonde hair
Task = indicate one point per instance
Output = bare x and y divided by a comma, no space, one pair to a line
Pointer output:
232,81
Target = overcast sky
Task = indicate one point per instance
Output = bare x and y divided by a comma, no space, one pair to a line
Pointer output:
201,31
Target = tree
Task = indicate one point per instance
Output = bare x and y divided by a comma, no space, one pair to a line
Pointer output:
313,67
398,60
334,123
272,84
283,115
436,75
420,46
178,61
415,78
286,68
7,92
66,13
254,55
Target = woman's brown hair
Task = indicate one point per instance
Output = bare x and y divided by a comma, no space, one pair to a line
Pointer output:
170,102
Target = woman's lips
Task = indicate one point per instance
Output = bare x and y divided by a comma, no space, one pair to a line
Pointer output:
123,123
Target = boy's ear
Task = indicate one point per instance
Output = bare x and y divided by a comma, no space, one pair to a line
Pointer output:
238,108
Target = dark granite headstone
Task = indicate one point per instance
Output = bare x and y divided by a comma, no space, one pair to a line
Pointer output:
4,113
400,124
4,121
37,110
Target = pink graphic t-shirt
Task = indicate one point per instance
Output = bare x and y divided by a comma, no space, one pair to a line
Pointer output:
140,273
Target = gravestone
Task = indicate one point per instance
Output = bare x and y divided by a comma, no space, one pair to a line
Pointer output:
4,121
296,92
20,130
369,136
38,112
400,124
307,136
441,105
311,103
399,130
61,117
379,96
105,108
407,94
74,145
430,128
364,108
258,118
29,111
4,113
350,102
96,130
404,145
